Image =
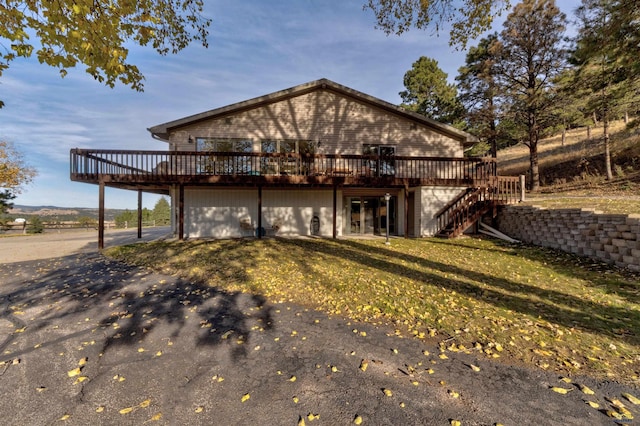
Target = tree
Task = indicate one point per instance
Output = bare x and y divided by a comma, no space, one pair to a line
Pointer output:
530,57
428,92
161,213
87,222
478,86
126,219
607,61
468,19
35,225
66,33
14,174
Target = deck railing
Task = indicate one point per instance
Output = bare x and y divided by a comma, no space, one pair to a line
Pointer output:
91,164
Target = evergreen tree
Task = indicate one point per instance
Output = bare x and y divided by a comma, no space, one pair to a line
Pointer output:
530,57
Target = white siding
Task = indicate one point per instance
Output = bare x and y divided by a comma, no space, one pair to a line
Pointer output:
216,213
429,200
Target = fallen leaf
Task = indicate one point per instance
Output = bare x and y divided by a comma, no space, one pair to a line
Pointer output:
83,361
65,417
74,372
293,379
313,417
561,390
295,400
364,364
387,392
145,403
455,423
474,367
80,379
453,393
566,379
156,417
632,399
593,404
200,409
245,397
301,421
585,389
357,420
100,409
126,410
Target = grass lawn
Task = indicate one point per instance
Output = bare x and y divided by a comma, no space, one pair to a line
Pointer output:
613,205
520,304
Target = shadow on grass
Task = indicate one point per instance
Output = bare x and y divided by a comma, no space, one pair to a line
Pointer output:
131,302
553,306
593,272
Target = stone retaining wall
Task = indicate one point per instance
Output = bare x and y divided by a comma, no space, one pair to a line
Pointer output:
612,238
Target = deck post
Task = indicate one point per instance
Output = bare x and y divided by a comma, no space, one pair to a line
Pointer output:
101,215
139,213
335,211
522,187
181,212
259,230
406,211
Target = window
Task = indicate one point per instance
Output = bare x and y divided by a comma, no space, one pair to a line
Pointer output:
288,146
224,145
384,165
221,164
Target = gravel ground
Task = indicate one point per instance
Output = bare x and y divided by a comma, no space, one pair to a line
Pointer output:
88,340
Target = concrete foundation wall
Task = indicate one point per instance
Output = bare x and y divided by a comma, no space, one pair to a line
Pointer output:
610,238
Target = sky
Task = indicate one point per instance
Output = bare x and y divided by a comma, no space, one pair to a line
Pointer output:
255,48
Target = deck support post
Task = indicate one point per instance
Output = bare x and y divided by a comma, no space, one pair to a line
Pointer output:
139,213
101,215
406,211
181,212
259,230
335,211
522,187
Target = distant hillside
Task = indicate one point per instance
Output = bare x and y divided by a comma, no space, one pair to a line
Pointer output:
578,164
62,213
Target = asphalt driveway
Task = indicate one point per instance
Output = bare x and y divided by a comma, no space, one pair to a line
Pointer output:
87,340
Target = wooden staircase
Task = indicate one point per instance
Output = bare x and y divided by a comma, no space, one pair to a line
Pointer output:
463,212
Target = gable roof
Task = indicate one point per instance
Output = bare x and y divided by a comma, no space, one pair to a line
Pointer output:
161,131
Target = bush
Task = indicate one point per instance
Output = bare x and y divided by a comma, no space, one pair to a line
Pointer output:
35,225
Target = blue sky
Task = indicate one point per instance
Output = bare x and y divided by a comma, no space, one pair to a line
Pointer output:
255,48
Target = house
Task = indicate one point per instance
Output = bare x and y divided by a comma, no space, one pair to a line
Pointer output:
315,159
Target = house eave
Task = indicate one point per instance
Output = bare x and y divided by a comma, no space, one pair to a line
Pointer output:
162,131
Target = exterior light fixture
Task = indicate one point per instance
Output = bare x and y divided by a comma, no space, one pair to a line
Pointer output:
387,197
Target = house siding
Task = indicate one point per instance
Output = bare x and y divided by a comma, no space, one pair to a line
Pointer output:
216,213
339,124
431,200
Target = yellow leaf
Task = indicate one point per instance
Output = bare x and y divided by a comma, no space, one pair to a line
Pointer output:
100,409
614,414
145,403
74,372
156,417
21,330
159,353
561,390
245,397
387,392
455,423
593,404
498,347
415,383
126,410
312,416
443,356
474,367
566,379
140,349
293,379
65,417
453,393
301,421
334,369
295,400
357,420
616,402
585,389
80,379
199,409
632,399
83,361
364,364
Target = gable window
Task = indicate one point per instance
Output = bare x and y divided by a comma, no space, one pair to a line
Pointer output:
384,164
223,164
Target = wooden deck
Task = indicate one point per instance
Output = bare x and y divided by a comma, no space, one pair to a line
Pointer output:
161,168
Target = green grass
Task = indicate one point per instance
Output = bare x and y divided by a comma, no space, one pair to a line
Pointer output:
520,304
613,205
